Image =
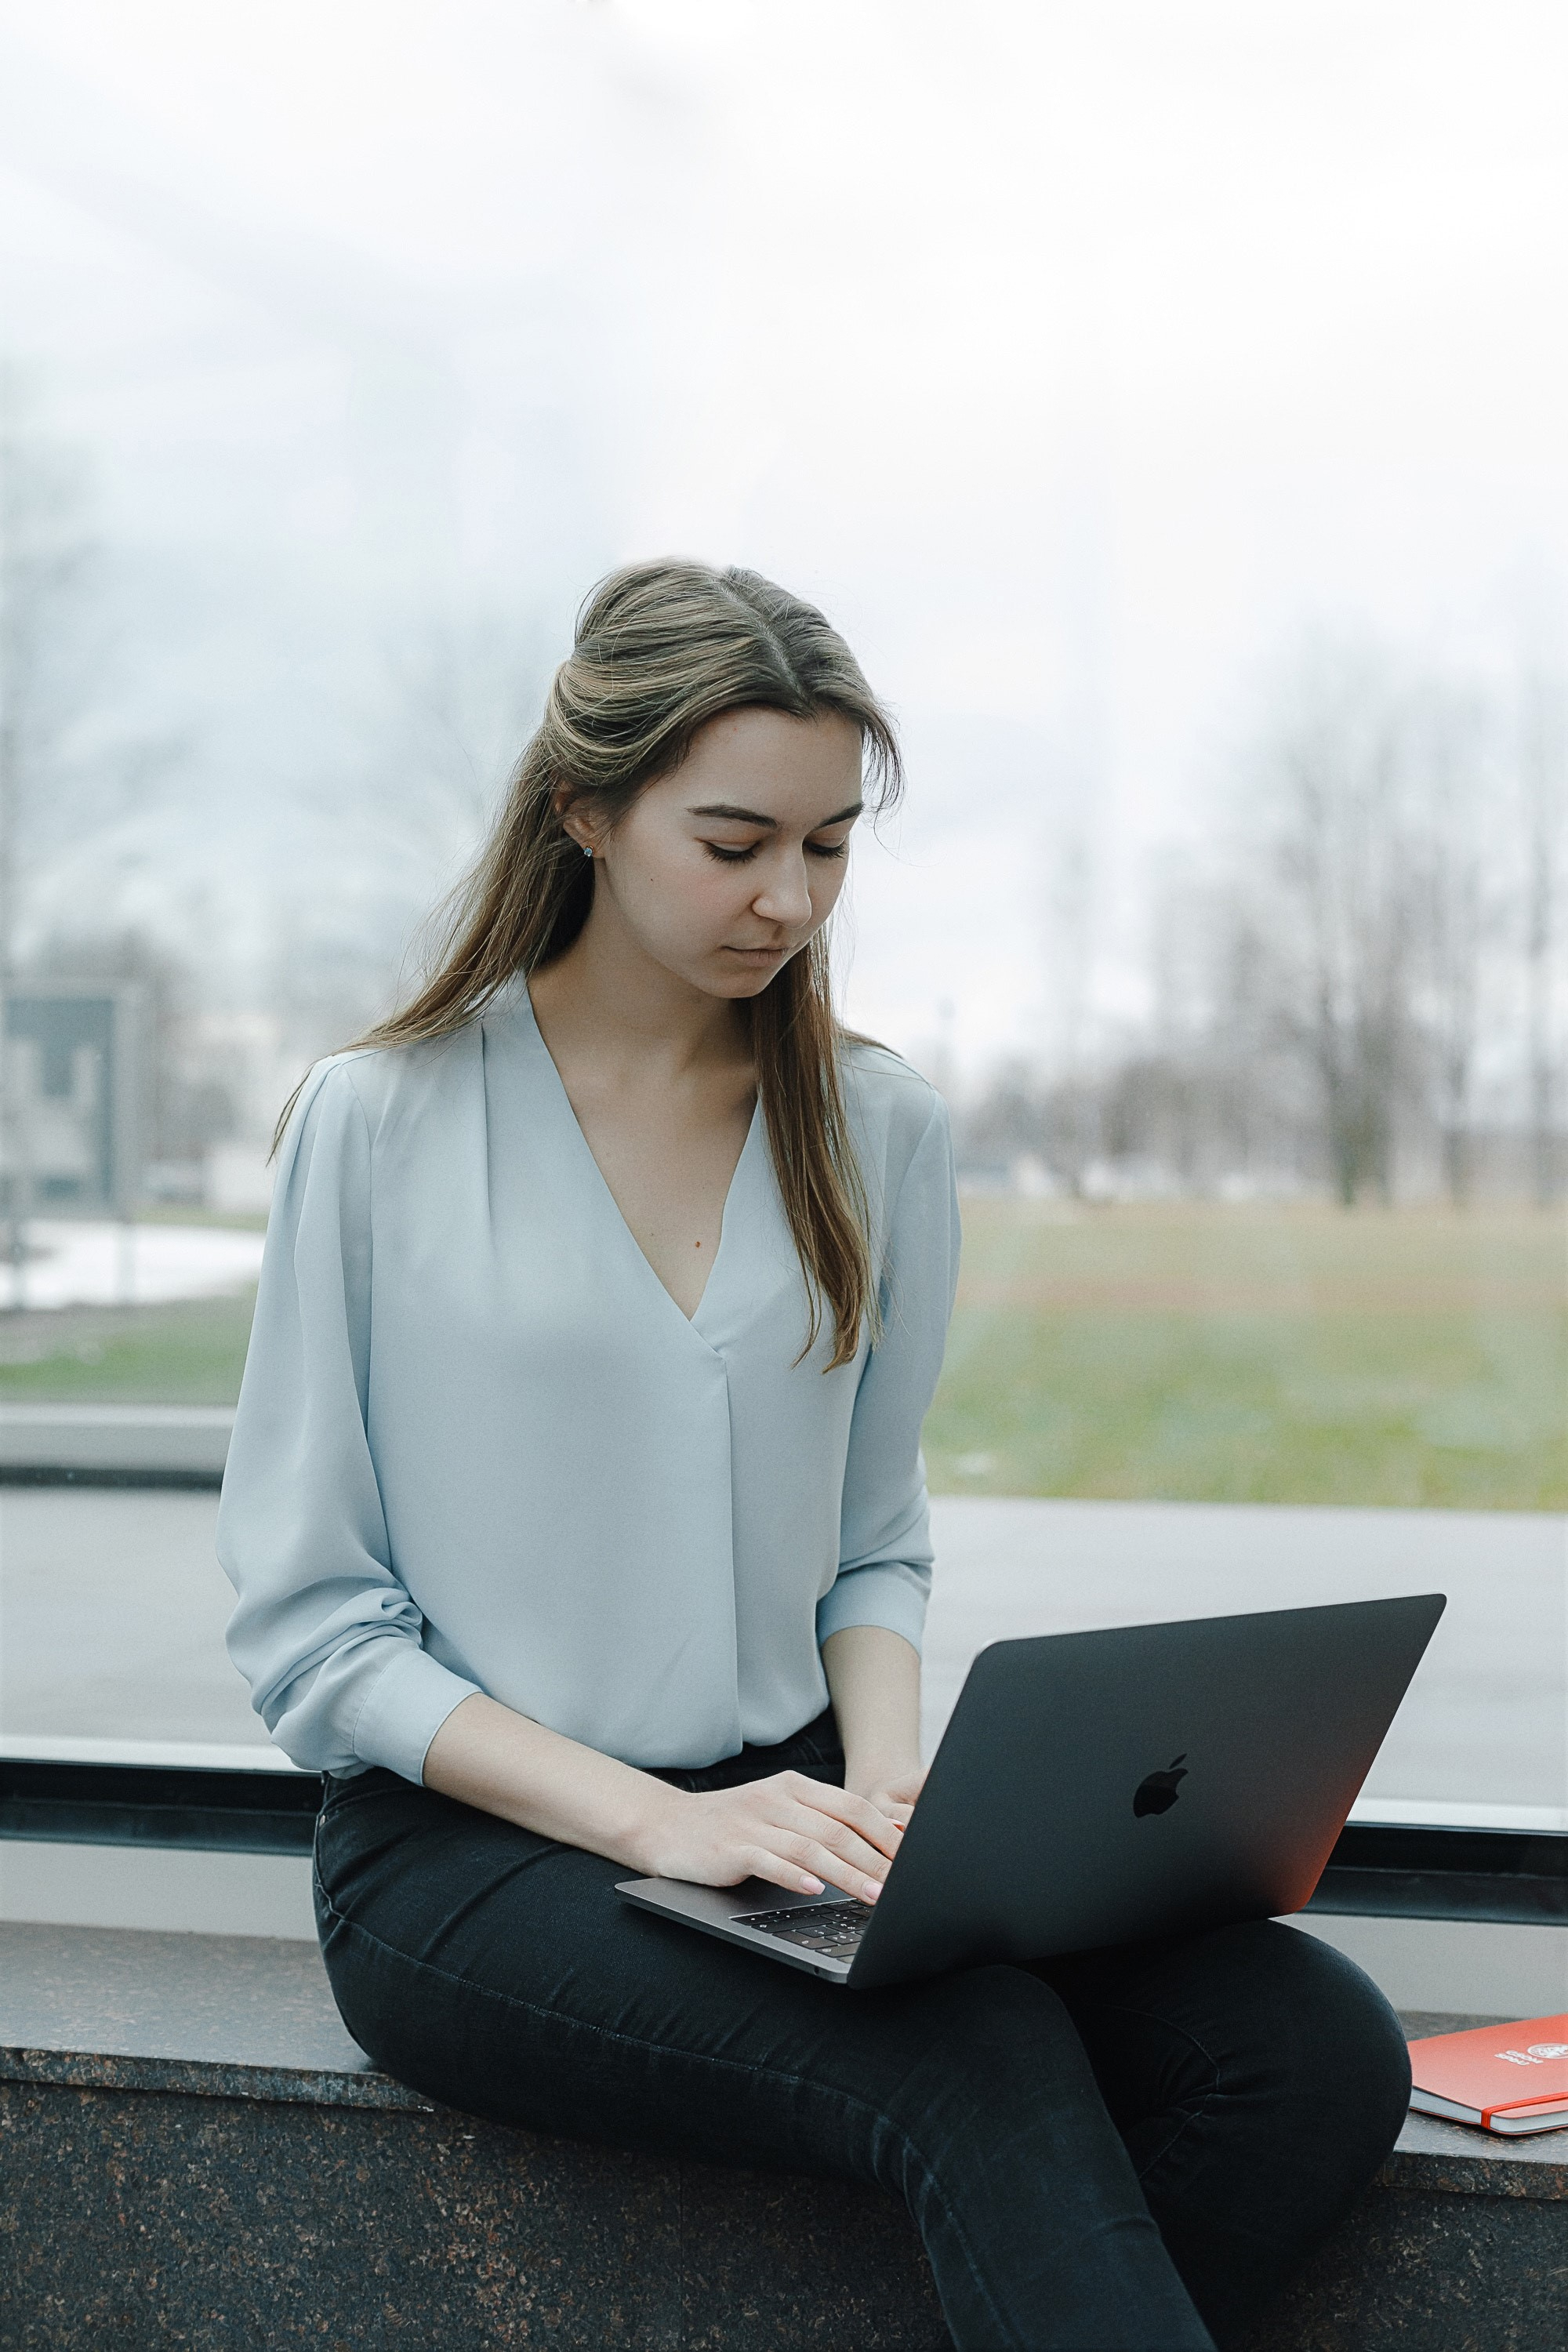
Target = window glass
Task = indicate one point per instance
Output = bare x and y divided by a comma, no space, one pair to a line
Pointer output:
1165,406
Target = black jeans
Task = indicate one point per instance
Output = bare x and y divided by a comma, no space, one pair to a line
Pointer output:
1127,2151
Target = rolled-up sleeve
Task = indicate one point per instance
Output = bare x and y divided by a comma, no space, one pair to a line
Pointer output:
326,1637
884,1549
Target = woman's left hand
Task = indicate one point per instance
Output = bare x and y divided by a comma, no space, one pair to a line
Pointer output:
893,1789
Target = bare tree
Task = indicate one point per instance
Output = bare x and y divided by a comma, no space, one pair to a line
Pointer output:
1070,907
1454,904
458,697
1542,734
1337,973
67,770
44,556
1343,872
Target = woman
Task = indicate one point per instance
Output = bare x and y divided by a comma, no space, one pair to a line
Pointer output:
579,1528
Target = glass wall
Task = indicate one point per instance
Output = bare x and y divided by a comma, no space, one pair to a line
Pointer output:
1167,406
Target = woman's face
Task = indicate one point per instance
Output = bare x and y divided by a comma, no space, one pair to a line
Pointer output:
724,869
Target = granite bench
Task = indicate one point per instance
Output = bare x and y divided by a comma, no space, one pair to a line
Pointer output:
194,2153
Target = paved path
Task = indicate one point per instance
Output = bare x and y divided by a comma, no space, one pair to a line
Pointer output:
112,1610
1486,1722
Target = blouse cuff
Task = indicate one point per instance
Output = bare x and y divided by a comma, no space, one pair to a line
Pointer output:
889,1594
407,1704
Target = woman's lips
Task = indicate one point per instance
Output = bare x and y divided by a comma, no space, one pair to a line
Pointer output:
760,955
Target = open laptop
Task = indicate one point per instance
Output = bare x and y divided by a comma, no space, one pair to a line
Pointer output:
1096,1788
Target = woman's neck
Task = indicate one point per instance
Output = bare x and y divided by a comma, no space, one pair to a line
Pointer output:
604,1001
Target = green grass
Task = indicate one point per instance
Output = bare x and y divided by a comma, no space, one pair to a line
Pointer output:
190,1352
1188,1352
1296,1355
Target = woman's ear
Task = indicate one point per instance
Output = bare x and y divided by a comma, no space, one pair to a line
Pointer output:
574,819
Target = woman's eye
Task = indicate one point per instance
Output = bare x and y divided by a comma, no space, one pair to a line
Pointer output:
743,857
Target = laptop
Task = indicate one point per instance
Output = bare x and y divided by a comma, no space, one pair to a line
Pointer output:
1103,1788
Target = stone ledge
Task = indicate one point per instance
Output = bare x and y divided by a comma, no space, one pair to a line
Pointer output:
203,2078
252,2017
193,2150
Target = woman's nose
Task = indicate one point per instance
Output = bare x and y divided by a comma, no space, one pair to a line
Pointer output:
786,893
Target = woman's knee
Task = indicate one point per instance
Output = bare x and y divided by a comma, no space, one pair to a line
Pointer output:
1318,2027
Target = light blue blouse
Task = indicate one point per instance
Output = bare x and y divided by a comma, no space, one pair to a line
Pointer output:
479,1447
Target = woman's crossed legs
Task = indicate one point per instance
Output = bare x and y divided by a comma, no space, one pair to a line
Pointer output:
1126,2150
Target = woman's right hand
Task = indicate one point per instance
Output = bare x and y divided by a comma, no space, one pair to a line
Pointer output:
796,1832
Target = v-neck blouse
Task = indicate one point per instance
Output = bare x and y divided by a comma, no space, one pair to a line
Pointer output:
479,1446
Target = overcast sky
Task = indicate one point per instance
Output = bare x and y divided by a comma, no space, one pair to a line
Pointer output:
1075,359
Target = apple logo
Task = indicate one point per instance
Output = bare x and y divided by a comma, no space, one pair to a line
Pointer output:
1159,1792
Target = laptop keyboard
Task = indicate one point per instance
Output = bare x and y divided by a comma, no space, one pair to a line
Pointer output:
832,1928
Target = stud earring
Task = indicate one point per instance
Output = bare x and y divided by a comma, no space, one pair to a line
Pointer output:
587,849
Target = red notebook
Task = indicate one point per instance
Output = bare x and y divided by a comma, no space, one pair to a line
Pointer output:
1507,2078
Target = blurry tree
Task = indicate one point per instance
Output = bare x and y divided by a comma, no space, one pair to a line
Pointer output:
353,919
1225,1049
1454,909
1157,1107
1068,920
1263,1096
45,552
1542,763
1010,1118
65,769
1345,879
1335,974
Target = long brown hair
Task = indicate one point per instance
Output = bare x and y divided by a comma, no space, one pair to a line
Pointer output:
659,650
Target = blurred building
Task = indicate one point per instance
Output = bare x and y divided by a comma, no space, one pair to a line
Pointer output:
72,1138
